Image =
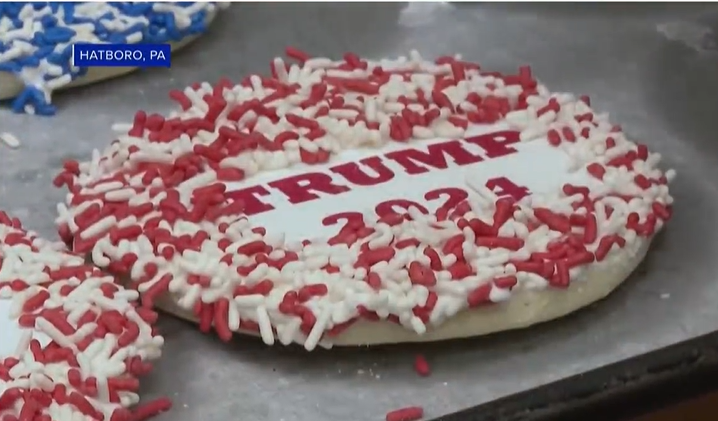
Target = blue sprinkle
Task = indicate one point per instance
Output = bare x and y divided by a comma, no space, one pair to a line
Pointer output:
11,9
117,39
45,109
29,61
38,38
54,41
19,102
10,67
45,50
69,10
58,35
48,21
36,95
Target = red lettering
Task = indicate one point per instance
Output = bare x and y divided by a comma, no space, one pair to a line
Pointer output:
454,196
354,220
507,187
252,204
349,233
301,188
388,208
495,144
435,157
355,174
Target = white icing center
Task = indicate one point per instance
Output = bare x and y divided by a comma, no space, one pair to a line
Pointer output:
535,165
12,334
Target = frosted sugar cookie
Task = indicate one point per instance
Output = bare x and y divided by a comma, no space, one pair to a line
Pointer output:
73,342
353,202
36,40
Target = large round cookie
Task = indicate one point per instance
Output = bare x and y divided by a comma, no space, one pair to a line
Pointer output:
36,61
354,202
73,342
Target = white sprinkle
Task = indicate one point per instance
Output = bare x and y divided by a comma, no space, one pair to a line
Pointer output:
10,140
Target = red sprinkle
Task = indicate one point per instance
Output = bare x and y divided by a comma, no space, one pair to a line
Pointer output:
297,54
422,366
411,413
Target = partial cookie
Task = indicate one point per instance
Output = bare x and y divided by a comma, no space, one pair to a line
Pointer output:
36,42
73,342
355,202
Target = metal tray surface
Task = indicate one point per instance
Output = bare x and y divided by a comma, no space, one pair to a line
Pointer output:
651,66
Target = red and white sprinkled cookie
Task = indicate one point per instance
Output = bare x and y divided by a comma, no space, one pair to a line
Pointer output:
73,344
348,202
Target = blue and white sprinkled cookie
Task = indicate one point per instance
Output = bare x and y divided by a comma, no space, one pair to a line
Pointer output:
36,41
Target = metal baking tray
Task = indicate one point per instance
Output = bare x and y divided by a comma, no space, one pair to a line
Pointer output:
652,67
